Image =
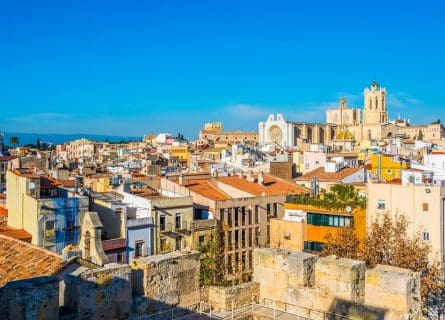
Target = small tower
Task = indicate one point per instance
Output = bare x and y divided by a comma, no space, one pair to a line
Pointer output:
375,105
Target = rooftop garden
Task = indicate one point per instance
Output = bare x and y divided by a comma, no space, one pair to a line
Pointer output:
337,198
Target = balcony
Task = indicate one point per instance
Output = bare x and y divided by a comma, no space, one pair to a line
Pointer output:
201,225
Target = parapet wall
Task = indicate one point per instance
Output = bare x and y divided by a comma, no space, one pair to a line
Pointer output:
25,299
167,280
102,293
337,285
226,298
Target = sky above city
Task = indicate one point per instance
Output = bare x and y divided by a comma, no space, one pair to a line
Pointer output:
137,67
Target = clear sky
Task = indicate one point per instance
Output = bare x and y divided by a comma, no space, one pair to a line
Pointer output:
136,67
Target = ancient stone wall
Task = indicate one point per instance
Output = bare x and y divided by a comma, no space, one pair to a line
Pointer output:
165,281
36,298
224,298
302,282
102,293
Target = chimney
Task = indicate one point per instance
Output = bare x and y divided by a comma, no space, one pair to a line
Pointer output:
181,179
250,176
261,177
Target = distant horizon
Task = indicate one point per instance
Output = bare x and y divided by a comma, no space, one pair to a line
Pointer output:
133,68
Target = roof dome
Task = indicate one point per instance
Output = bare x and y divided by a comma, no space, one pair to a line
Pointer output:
344,135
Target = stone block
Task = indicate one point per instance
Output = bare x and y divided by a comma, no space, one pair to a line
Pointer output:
36,298
395,290
343,278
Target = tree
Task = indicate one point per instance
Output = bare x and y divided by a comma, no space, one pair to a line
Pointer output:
388,243
212,264
14,141
420,135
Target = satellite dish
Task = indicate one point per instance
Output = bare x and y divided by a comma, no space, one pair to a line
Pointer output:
31,186
348,209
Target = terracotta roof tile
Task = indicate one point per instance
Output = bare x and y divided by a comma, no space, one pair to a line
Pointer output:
21,260
272,186
20,234
328,176
113,244
206,189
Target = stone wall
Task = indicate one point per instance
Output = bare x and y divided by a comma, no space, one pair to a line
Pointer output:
36,298
165,281
223,298
305,282
102,293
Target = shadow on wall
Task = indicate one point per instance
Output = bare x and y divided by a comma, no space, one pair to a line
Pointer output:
355,311
108,298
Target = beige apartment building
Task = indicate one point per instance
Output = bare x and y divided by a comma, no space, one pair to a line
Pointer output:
423,205
242,207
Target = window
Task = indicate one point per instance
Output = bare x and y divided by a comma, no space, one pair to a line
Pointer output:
426,236
330,220
425,206
268,209
275,210
138,248
163,244
201,239
49,228
162,223
120,257
178,221
257,215
178,243
313,246
381,204
236,217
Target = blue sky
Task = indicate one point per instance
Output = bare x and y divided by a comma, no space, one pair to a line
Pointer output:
135,67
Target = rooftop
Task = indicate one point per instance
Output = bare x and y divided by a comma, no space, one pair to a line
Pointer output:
19,234
271,187
207,189
323,176
20,260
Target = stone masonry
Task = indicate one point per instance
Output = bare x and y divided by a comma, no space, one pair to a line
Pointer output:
30,299
343,286
165,281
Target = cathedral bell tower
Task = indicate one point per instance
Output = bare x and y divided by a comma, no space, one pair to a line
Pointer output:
375,105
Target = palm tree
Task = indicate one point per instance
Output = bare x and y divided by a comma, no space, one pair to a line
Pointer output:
14,141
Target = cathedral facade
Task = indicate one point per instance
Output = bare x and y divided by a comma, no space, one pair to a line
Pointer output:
346,126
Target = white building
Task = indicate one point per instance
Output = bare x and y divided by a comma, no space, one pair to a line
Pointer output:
276,133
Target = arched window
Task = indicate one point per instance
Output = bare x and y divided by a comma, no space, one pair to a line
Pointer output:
370,103
376,103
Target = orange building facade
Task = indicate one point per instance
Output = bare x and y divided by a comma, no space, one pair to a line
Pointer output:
309,233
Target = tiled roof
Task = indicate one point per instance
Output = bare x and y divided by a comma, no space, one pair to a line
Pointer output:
20,234
206,189
272,186
69,183
113,244
323,176
21,260
7,158
47,182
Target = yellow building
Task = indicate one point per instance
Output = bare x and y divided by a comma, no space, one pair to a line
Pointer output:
98,182
183,154
385,167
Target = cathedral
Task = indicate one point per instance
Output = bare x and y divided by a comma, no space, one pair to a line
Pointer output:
346,127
